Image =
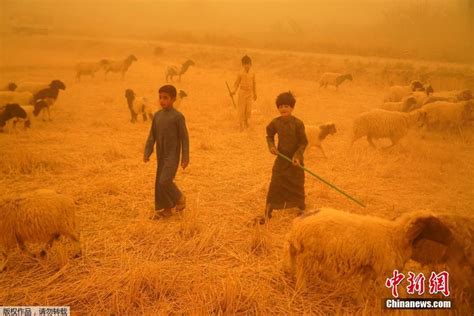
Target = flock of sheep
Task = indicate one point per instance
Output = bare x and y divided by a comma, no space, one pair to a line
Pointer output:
316,246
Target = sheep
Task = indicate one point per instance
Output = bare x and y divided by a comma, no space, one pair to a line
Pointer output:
421,96
379,123
406,105
35,87
38,216
118,66
10,111
179,98
450,96
172,71
50,94
397,93
316,134
333,79
11,86
16,97
442,114
138,105
89,68
319,244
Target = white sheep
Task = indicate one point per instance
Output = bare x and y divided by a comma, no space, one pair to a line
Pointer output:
421,96
179,99
397,93
172,71
379,123
406,105
118,66
443,115
333,79
316,134
89,68
450,96
10,86
39,216
321,243
138,105
15,97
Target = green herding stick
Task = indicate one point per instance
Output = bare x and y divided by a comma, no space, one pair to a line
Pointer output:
230,94
324,181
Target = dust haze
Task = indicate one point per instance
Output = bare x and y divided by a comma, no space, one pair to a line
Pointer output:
214,258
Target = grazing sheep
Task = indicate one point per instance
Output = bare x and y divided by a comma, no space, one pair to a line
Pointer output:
50,94
15,97
32,112
11,86
450,96
320,243
138,105
118,66
39,216
444,115
397,93
406,105
89,69
379,123
316,134
172,71
333,79
10,111
421,96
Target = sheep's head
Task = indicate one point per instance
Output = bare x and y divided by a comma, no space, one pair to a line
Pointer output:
409,104
132,58
429,89
416,85
12,86
189,62
182,94
349,77
328,129
58,85
464,95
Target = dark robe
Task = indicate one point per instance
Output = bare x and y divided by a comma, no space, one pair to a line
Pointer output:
287,184
169,132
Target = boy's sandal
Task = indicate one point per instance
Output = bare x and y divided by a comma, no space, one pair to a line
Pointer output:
181,205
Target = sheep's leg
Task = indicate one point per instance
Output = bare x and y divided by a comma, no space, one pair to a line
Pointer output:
369,139
179,78
150,116
49,113
75,238
23,247
144,117
49,244
322,150
3,261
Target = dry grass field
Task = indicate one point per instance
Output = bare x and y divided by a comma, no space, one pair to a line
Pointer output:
211,259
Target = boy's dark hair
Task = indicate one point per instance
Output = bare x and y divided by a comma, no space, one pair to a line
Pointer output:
246,60
285,98
169,89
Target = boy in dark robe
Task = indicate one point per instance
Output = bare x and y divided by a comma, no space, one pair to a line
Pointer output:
287,184
169,132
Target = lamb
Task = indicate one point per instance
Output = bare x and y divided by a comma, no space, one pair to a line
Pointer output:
442,114
15,97
319,243
379,123
316,134
89,68
35,87
11,86
138,105
406,105
397,93
333,79
450,96
50,94
118,66
10,111
39,216
172,71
